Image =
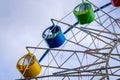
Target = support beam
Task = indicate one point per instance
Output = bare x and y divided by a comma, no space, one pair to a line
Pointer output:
66,51
90,70
102,7
78,68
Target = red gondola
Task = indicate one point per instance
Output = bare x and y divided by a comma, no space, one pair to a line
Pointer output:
116,3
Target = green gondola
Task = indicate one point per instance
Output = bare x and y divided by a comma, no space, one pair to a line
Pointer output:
84,13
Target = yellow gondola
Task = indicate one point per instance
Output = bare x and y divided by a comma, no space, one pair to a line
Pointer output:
28,66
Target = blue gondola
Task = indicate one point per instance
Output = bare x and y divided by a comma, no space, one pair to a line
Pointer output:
53,36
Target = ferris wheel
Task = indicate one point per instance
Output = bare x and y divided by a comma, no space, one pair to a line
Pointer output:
89,49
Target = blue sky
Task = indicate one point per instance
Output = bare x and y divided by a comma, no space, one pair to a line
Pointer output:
22,23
